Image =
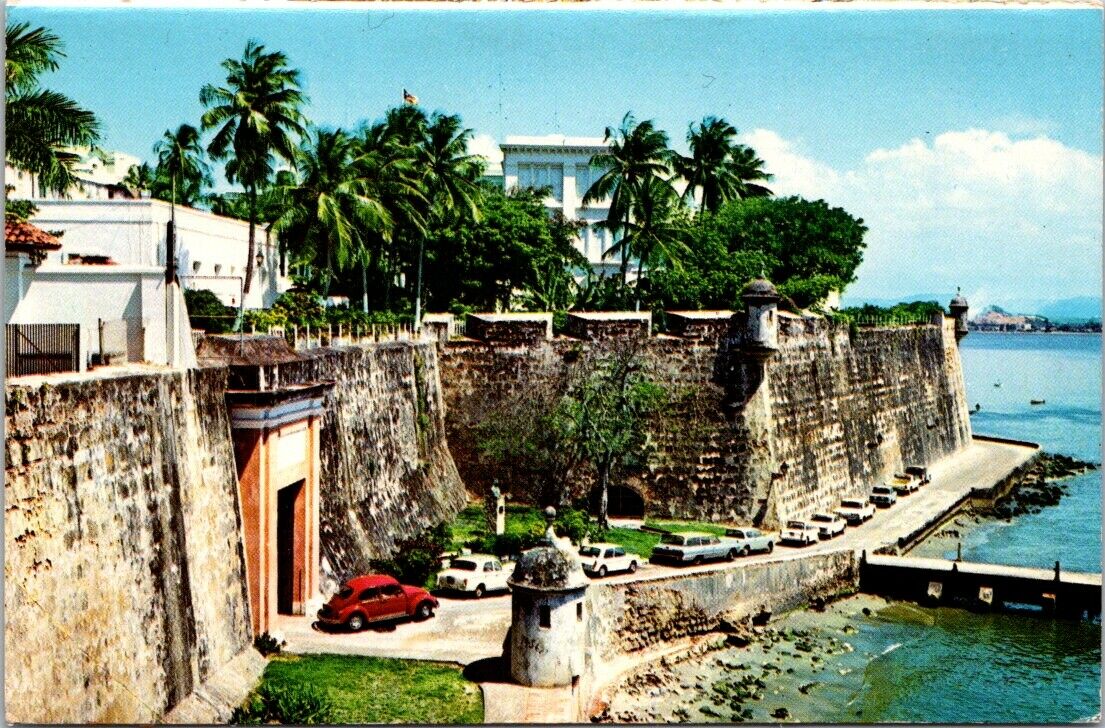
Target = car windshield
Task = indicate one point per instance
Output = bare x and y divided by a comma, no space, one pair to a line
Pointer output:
346,592
851,504
588,551
464,565
795,524
880,489
734,534
822,518
672,539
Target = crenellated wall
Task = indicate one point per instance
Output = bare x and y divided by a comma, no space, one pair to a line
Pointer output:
831,413
387,474
124,573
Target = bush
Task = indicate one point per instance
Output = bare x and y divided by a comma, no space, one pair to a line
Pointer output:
207,312
416,559
576,525
301,704
267,645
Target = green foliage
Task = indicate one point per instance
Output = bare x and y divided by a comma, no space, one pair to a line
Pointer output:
373,690
416,559
304,308
21,210
288,704
576,525
207,312
899,313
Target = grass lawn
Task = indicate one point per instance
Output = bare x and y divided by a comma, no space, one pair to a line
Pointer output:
382,690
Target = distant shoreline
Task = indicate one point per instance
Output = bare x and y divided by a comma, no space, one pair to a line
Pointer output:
1029,333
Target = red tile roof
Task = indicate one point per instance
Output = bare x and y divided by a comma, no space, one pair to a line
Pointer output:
25,237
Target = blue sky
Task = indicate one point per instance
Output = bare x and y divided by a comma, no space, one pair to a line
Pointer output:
841,102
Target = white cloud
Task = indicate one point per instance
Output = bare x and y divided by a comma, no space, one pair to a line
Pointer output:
486,146
1004,216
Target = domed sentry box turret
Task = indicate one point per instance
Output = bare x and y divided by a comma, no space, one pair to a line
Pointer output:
761,329
958,308
547,617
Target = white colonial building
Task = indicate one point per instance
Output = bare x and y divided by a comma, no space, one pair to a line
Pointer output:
110,271
99,175
563,165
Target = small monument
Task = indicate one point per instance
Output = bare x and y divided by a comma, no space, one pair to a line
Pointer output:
547,614
496,507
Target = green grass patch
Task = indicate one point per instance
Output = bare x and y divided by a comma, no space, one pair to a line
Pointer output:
714,528
380,690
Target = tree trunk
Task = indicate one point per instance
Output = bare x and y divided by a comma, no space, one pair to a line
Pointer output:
625,252
604,497
637,288
364,285
252,192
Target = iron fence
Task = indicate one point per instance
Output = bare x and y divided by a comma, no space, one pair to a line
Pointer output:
42,348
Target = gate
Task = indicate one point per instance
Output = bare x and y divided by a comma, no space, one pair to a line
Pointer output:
42,348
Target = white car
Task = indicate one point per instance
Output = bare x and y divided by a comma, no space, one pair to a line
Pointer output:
802,533
600,559
883,496
855,510
904,484
750,539
476,574
828,524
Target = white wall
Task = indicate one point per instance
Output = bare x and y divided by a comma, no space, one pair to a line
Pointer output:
133,232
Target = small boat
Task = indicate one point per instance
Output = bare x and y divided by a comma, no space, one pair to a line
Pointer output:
1037,401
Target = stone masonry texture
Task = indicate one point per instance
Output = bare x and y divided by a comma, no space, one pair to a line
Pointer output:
124,571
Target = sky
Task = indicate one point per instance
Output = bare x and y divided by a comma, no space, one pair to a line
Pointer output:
970,141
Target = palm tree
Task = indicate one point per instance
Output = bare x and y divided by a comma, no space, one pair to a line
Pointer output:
40,123
451,178
653,234
256,114
329,210
638,153
138,179
719,169
180,158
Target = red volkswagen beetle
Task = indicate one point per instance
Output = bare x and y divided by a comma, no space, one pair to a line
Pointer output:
375,598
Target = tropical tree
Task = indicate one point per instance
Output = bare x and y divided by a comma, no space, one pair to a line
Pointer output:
40,123
718,168
638,153
602,414
333,204
255,117
138,179
180,159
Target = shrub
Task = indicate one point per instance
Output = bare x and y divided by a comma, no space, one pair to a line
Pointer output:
302,704
266,644
576,525
416,559
207,312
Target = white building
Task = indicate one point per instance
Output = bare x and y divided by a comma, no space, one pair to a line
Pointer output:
111,269
563,164
99,175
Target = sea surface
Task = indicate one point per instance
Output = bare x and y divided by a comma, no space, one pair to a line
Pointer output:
946,665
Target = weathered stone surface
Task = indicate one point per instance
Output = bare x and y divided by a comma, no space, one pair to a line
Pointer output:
387,474
124,572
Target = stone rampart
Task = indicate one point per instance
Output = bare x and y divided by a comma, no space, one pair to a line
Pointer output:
830,413
124,571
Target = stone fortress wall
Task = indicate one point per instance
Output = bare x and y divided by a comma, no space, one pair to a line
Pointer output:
124,573
830,413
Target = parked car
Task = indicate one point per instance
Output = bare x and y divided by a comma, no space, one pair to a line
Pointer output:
375,598
904,484
692,548
476,574
750,539
883,496
855,510
600,559
828,524
920,472
801,533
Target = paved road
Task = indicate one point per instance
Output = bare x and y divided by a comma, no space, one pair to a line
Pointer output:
465,630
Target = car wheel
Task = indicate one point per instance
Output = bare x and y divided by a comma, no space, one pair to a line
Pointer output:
425,611
478,593
355,623
746,550
632,567
770,546
602,571
697,561
732,555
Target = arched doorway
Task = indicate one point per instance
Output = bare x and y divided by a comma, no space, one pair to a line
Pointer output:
623,502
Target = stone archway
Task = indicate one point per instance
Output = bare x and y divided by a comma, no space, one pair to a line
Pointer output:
623,502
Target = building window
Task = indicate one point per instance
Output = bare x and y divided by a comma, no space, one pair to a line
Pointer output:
536,176
544,613
579,612
585,177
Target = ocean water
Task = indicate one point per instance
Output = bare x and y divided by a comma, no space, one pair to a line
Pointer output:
944,665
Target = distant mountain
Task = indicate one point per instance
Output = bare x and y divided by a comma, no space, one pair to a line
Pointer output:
1080,308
